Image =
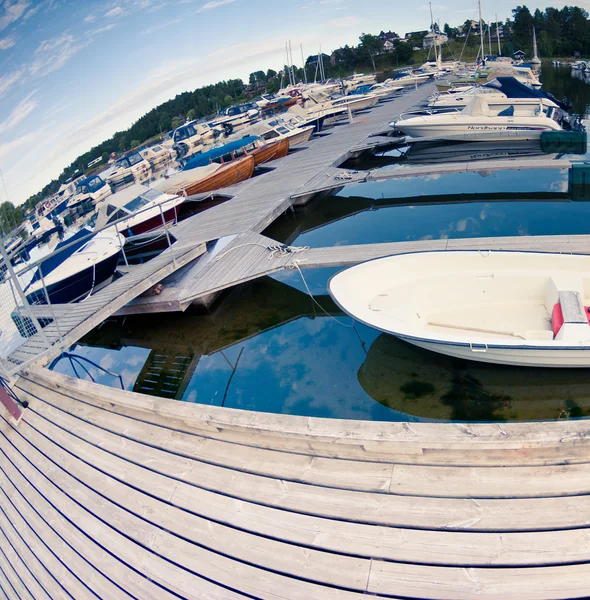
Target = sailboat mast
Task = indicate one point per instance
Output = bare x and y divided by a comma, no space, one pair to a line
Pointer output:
490,37
535,52
481,30
498,36
291,61
303,63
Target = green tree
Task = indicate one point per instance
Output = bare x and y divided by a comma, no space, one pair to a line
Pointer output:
123,144
175,123
10,216
135,143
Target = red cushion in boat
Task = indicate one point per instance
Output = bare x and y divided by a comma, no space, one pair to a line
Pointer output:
557,318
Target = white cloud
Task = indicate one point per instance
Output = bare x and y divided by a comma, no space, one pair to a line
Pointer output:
7,42
19,113
214,4
160,26
9,148
10,80
89,19
52,55
11,11
114,12
344,22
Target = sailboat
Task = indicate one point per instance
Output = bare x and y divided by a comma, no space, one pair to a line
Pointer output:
535,60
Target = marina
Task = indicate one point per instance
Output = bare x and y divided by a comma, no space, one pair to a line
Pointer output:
228,418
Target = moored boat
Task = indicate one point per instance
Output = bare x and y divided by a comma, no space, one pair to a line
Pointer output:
207,178
478,121
88,269
137,210
513,308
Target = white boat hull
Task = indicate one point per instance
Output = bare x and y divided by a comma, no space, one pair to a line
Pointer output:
511,308
517,357
492,133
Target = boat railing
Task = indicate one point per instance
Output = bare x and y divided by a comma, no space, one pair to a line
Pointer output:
21,319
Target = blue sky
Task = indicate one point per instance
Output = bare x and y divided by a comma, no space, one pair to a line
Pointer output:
72,72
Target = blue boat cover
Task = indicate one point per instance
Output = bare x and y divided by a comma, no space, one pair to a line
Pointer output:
515,89
201,160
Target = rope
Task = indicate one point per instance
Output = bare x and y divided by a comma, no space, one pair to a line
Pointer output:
295,265
274,250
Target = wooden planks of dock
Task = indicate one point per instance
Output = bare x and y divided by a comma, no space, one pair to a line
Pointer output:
111,494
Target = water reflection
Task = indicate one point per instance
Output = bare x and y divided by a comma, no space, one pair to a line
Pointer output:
422,383
507,204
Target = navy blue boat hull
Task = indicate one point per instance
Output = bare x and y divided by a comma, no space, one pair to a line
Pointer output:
77,286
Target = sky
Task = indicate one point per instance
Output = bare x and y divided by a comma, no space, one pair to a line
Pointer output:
73,72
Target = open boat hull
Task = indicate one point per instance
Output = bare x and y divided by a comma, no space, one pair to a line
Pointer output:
229,174
510,308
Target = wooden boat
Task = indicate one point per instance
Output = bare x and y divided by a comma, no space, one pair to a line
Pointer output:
208,178
512,308
269,151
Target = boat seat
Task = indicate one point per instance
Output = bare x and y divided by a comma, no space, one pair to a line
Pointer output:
569,309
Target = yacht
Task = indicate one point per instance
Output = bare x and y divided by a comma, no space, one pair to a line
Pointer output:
92,188
132,168
477,121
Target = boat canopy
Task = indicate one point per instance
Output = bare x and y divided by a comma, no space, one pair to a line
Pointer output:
515,89
90,185
477,107
128,161
212,155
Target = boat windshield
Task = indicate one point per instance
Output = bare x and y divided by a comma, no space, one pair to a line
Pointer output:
138,203
134,159
183,133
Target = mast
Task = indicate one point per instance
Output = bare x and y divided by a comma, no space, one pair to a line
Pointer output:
490,37
303,63
535,53
498,36
291,60
481,30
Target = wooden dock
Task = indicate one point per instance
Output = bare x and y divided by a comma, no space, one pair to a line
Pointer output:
258,257
111,494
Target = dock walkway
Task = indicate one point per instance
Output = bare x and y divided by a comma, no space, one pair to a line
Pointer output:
254,205
111,494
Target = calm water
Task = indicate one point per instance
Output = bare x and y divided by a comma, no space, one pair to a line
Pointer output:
266,346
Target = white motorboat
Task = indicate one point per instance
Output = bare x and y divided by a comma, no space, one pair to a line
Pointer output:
512,308
158,156
337,102
87,270
132,168
384,91
92,188
277,129
478,121
408,78
138,209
